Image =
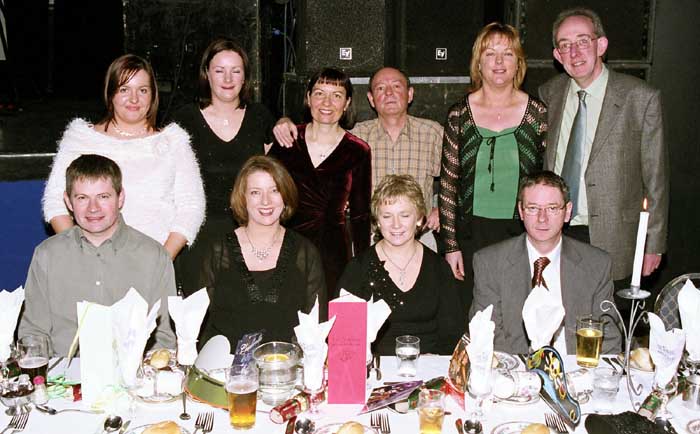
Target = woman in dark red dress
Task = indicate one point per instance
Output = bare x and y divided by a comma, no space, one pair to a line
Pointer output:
332,171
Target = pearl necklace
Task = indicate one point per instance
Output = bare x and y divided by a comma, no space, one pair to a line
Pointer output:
262,254
402,270
123,133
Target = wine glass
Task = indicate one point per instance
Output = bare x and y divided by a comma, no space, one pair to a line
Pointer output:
479,385
314,385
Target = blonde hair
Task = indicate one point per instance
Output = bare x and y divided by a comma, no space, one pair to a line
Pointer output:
481,43
389,190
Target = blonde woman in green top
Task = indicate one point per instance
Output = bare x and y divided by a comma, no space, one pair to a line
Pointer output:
493,137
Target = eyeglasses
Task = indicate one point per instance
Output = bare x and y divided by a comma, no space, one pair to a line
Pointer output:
550,210
583,43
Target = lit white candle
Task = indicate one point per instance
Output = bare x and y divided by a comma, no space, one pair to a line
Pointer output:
639,250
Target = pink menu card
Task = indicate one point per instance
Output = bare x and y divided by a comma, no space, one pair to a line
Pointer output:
347,345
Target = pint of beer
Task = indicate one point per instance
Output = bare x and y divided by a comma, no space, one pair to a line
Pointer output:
33,357
431,411
589,341
242,393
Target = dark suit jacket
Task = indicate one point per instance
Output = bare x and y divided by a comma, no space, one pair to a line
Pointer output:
628,161
502,277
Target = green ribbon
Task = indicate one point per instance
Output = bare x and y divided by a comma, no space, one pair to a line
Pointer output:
59,387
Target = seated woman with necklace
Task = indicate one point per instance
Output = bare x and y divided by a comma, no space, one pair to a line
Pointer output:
259,275
417,284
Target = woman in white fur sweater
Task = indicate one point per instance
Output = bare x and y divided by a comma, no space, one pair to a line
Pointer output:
162,183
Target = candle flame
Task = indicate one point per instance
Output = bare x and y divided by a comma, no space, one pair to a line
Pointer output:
644,204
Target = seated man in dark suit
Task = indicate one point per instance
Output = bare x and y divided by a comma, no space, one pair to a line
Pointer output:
576,273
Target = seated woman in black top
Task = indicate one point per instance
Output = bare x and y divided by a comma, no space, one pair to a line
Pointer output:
416,283
259,275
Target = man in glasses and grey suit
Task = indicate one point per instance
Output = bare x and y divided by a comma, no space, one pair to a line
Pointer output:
606,140
575,274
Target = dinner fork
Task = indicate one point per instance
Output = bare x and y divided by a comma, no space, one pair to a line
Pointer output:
384,424
208,423
374,421
199,423
554,422
13,422
21,423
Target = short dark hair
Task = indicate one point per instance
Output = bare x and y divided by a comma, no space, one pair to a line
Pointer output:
335,77
401,71
545,177
120,71
481,43
93,167
598,28
216,47
283,180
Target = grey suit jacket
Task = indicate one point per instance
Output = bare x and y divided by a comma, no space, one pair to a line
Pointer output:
628,161
502,277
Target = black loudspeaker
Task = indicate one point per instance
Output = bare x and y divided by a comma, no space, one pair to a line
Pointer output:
173,34
435,38
349,35
629,25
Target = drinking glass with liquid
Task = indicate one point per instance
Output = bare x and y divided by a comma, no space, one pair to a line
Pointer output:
407,353
589,341
431,411
606,383
242,393
33,358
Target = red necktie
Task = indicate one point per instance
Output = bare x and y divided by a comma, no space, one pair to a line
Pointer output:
537,277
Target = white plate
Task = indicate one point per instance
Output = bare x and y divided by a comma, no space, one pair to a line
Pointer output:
141,428
334,427
506,361
512,428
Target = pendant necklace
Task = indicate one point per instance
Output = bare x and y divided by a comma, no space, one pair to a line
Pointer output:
261,254
123,133
402,270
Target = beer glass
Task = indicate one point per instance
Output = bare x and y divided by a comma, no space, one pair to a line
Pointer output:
242,393
589,340
431,411
407,352
33,356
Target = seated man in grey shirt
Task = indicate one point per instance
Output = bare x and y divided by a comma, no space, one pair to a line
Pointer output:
96,260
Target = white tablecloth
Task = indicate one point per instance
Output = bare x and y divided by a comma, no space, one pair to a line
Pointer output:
429,367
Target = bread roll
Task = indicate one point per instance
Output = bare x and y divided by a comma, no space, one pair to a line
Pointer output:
165,427
160,358
351,428
641,359
536,428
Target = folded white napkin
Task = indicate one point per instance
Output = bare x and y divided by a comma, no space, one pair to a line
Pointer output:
188,315
377,313
689,308
665,348
10,305
311,337
481,331
132,324
542,315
